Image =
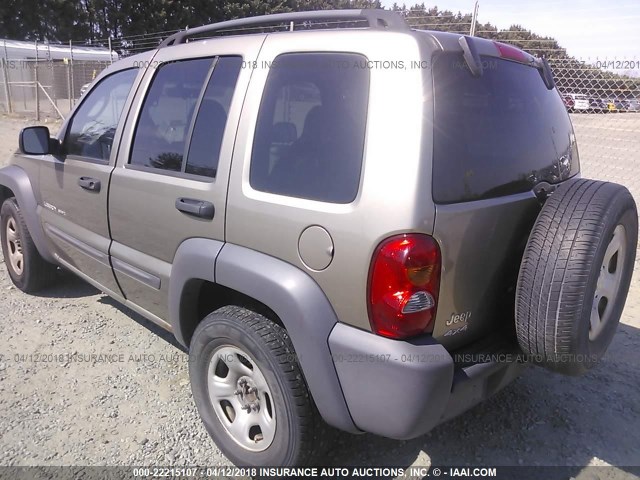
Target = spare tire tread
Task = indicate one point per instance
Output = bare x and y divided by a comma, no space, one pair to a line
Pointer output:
556,222
543,246
558,267
562,250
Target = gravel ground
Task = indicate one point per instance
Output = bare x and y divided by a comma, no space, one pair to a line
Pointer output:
131,404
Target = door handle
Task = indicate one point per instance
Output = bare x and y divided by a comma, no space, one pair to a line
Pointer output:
197,208
89,183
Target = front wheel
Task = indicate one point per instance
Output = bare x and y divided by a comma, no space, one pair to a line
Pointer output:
250,392
27,269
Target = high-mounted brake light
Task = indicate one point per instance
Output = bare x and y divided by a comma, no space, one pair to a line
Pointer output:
512,53
404,280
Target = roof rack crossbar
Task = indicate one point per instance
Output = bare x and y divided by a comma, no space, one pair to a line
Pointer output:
375,18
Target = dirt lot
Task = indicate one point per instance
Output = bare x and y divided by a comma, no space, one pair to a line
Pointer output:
136,407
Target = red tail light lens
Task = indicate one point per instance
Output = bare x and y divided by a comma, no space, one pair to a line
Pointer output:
512,53
404,280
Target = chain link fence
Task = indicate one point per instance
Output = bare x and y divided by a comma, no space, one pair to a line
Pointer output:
603,98
46,80
601,94
44,88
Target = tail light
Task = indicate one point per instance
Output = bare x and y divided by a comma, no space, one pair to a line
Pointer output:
404,280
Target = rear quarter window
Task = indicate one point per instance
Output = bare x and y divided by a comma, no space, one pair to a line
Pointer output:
309,138
497,134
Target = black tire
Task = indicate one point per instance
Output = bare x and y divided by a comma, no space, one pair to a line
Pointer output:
301,436
36,272
560,270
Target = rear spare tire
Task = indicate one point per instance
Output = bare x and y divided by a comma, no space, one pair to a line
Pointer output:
575,275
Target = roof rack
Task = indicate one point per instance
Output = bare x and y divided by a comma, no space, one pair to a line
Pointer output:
376,18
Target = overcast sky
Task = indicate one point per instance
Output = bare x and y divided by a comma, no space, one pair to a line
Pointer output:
588,29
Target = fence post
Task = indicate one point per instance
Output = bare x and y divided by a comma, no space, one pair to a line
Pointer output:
474,20
52,68
69,85
110,52
73,90
36,82
5,75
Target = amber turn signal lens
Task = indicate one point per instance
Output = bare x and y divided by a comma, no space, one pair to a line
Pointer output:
420,276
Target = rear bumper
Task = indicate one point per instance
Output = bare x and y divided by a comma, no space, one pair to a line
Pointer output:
400,389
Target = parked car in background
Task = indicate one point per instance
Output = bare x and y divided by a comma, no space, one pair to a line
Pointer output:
633,105
84,88
629,105
616,105
568,102
597,105
580,102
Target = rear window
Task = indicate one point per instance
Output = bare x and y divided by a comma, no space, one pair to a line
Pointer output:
498,134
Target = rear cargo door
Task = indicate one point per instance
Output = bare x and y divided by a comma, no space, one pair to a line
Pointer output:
497,139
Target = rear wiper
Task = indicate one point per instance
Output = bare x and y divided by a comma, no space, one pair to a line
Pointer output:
470,54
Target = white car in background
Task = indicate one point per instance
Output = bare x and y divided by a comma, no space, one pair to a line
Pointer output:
84,88
580,102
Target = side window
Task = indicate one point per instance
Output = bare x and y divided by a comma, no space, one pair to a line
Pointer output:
92,128
309,139
179,92
166,114
208,130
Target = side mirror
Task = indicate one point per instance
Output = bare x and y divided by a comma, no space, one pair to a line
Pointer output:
35,141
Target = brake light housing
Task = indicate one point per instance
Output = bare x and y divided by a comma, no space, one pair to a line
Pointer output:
513,53
404,282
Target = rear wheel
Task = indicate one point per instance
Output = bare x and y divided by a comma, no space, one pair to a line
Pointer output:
27,269
250,391
575,275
